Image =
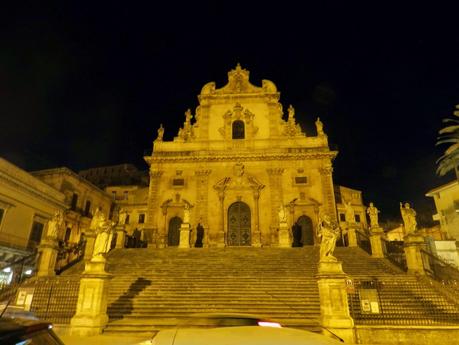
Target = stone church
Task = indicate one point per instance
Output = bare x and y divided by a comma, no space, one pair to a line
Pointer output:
231,167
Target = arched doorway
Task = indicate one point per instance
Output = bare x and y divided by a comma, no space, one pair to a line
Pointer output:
303,233
173,235
239,224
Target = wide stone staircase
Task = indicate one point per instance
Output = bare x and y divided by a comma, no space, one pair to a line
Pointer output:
154,289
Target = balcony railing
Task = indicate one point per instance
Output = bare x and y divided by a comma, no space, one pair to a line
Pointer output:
394,252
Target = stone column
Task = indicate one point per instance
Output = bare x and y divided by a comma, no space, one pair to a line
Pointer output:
91,314
377,250
202,196
221,231
184,241
120,236
413,244
327,190
47,250
334,307
256,237
276,195
151,226
351,236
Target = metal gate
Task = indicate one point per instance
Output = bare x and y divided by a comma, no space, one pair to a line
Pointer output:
239,224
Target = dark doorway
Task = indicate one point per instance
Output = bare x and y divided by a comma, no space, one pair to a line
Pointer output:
199,236
173,235
303,234
239,224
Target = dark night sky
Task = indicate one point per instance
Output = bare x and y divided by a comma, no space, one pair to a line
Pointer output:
85,85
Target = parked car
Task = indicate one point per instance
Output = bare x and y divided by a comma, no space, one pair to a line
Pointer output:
237,329
19,331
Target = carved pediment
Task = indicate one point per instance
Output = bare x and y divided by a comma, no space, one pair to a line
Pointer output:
240,181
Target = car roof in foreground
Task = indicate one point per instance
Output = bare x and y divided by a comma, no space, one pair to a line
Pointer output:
248,335
11,327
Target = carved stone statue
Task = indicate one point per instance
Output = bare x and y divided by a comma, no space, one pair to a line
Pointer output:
160,133
329,231
319,127
282,214
186,214
409,218
104,231
349,213
96,218
55,224
291,113
372,212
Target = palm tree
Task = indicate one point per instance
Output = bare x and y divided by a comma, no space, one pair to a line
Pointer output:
449,135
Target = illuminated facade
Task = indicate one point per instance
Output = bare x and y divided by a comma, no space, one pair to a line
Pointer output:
232,164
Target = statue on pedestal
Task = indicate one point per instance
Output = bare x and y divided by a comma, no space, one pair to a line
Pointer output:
104,235
55,224
329,231
349,213
186,214
372,212
319,127
282,215
160,133
409,218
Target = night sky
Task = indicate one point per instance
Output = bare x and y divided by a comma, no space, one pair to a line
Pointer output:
85,85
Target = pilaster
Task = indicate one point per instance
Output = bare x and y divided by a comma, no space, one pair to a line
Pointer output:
327,191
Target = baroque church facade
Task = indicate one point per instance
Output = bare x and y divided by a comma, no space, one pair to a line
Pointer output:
233,165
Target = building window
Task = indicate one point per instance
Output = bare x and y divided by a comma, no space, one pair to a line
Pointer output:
73,204
126,193
178,182
238,129
301,180
141,218
127,219
357,218
342,217
2,212
68,231
87,208
35,235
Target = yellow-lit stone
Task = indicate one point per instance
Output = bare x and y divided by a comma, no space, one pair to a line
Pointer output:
236,154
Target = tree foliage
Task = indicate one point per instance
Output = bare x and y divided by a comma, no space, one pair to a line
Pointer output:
449,135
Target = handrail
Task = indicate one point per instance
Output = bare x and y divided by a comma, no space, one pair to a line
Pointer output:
363,241
65,254
439,269
395,253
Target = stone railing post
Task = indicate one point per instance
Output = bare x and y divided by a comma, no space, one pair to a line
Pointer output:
184,241
412,245
91,314
351,236
47,250
377,250
90,237
120,236
334,307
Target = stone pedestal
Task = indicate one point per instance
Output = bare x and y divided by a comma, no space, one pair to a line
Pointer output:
377,250
351,237
413,244
91,314
89,248
120,236
219,240
256,239
47,250
185,229
334,307
284,236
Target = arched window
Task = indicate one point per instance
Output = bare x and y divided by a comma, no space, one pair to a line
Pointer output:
238,129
